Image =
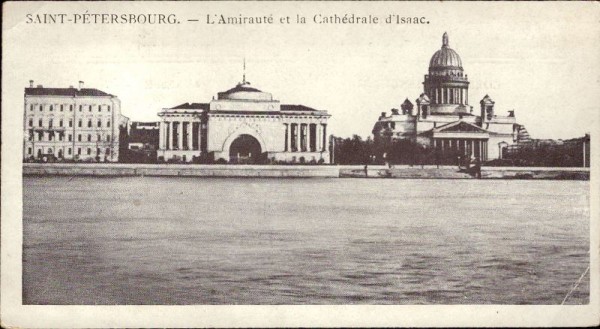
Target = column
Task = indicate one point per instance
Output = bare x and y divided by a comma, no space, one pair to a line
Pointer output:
481,150
200,136
161,135
298,131
473,148
190,128
325,137
180,135
318,134
288,145
171,135
308,138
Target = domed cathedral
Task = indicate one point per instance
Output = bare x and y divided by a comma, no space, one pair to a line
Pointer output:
243,125
442,117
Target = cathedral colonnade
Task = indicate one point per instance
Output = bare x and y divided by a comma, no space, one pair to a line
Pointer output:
466,146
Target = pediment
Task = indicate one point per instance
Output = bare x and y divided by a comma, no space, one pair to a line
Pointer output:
460,126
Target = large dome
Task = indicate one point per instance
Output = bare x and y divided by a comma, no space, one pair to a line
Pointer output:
243,91
445,57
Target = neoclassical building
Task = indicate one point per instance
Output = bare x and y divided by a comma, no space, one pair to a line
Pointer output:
76,124
442,117
243,124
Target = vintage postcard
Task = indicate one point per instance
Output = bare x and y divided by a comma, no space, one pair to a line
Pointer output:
300,164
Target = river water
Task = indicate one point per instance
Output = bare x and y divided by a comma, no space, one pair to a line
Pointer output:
169,240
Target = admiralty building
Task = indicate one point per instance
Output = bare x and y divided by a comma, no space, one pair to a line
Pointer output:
241,125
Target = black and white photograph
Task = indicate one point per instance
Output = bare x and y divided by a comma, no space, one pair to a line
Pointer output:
300,164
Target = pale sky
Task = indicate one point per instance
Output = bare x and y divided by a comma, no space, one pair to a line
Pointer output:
540,59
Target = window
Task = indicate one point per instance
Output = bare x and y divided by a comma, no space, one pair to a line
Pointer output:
99,123
50,123
108,108
71,108
60,137
41,107
51,108
60,123
79,123
90,123
40,123
89,138
62,107
99,138
70,122
79,151
80,108
99,108
30,122
69,150
89,151
31,107
70,138
107,152
29,150
98,151
50,136
79,138
90,108
40,136
108,138
108,124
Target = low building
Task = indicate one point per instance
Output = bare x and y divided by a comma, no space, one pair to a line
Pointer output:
72,124
141,142
243,125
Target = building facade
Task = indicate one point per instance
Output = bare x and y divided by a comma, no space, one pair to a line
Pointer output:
74,124
442,118
243,125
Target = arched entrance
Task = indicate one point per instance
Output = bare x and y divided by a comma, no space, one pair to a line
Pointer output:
245,149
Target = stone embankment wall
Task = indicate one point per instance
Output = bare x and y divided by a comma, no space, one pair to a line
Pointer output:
179,170
416,172
452,172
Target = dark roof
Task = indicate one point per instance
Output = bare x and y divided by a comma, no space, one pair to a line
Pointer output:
41,91
192,106
285,107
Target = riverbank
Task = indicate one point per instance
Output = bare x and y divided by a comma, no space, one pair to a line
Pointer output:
306,171
452,172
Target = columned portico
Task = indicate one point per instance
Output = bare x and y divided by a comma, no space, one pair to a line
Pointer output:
461,138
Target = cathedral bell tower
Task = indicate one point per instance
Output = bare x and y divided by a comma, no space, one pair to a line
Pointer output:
446,84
